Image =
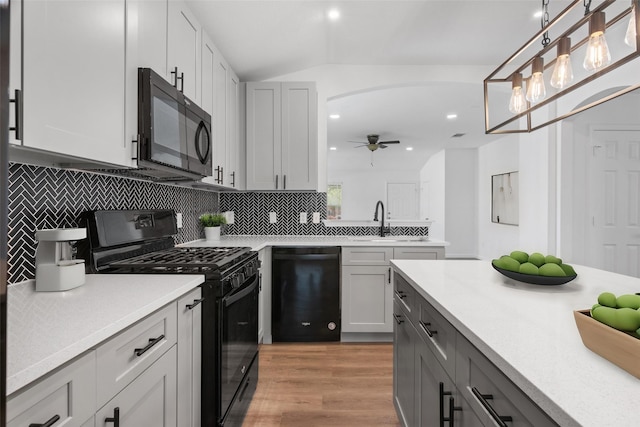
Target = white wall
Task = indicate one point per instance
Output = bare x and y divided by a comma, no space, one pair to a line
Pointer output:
496,158
461,202
432,177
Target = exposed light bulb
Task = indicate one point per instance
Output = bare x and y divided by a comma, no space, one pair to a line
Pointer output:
518,103
562,72
598,55
630,37
535,86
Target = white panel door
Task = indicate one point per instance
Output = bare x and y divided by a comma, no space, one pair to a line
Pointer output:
613,243
402,200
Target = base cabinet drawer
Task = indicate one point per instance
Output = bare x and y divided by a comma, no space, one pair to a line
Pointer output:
150,400
363,255
121,359
438,334
68,397
490,394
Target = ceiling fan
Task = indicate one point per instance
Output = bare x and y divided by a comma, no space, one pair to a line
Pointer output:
373,144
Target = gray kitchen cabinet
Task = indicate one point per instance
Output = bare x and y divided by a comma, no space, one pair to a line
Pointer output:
73,79
404,341
367,290
150,400
184,40
264,301
281,136
452,381
189,358
490,394
68,394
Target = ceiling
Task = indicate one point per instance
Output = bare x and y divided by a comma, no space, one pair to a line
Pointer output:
264,39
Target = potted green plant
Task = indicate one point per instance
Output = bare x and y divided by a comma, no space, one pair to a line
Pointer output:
211,223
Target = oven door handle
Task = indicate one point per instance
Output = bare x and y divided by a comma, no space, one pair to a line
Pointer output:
227,301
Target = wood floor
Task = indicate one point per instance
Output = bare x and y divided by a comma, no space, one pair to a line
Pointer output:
328,385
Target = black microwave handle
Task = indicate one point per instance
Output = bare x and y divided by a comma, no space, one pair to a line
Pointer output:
201,157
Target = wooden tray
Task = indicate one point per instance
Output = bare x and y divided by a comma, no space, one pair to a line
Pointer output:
620,348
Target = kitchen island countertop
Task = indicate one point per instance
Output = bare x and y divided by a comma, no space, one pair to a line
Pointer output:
47,329
529,332
259,242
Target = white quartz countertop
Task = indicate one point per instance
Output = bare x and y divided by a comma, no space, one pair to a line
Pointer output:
528,331
259,242
47,329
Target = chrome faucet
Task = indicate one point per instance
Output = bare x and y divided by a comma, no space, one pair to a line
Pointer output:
383,230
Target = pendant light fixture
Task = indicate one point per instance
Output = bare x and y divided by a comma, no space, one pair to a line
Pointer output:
598,55
630,37
578,31
517,103
562,72
536,90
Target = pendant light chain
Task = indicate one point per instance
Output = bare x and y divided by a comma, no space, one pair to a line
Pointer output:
587,6
544,21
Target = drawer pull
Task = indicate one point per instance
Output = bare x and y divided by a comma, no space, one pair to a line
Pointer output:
398,319
425,327
401,294
452,407
49,423
116,418
482,398
195,302
152,342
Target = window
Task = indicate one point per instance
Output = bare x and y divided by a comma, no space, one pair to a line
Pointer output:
334,201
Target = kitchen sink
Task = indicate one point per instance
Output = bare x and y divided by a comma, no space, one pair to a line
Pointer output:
387,239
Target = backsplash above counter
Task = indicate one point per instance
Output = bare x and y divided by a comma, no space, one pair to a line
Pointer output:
47,197
42,197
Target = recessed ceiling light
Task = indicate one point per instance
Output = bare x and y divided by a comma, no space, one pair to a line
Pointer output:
333,14
452,116
334,116
333,148
409,148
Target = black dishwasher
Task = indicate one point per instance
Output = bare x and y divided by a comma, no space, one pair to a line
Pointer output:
305,300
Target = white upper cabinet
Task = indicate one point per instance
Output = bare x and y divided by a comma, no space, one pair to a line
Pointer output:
282,136
183,49
73,79
220,99
15,80
146,48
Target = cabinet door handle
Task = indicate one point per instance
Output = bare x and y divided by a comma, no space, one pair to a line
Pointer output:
17,102
389,277
152,342
284,182
276,182
482,398
398,318
425,328
401,294
115,419
452,407
221,175
195,302
181,78
233,178
49,423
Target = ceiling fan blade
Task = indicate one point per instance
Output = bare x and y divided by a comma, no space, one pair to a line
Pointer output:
363,145
358,142
389,142
381,145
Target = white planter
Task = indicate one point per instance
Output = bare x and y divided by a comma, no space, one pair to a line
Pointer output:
212,233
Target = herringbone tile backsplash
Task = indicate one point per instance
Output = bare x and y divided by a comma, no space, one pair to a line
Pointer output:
42,197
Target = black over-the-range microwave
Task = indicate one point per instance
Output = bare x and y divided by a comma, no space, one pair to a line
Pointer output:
174,133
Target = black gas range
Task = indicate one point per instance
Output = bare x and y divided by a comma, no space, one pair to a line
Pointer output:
141,241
